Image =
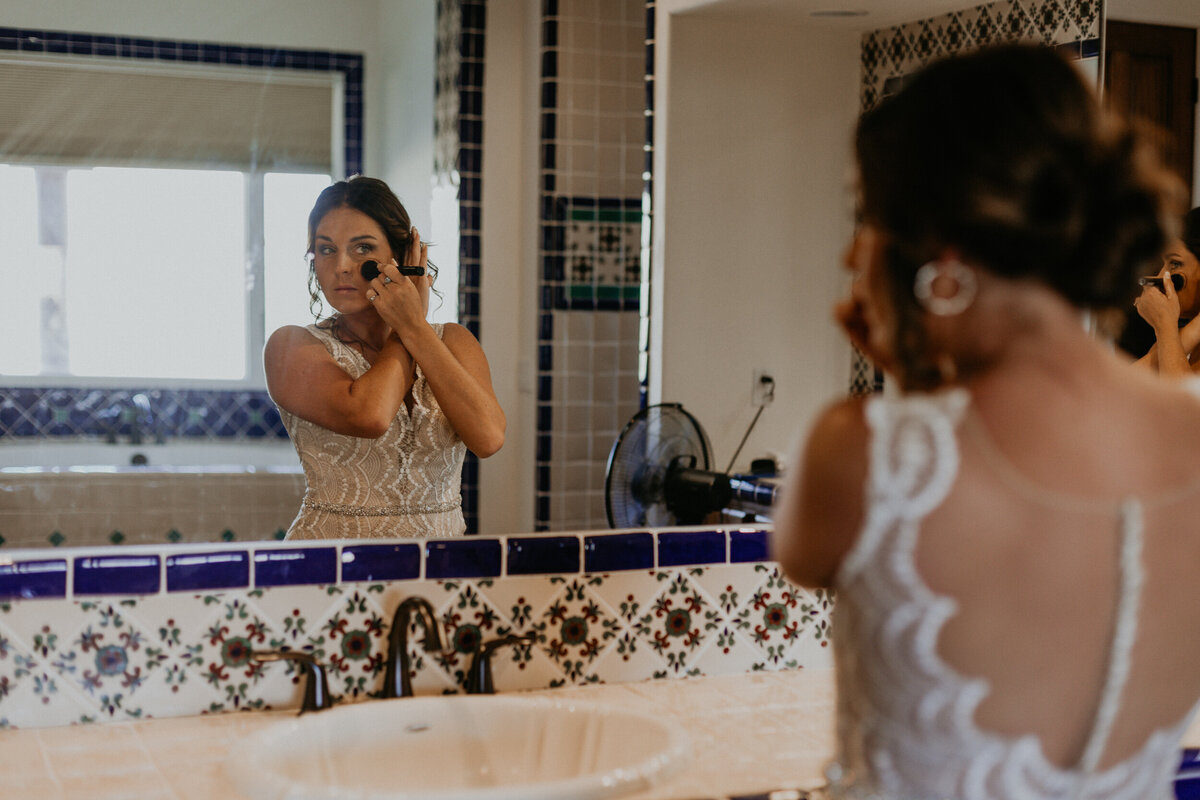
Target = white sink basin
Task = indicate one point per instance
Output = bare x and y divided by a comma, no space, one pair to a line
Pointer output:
481,747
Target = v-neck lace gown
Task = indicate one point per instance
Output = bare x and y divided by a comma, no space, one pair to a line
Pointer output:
406,483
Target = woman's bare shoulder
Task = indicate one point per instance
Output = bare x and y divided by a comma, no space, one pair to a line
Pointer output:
822,509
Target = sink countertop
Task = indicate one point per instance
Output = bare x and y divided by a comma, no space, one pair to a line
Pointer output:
749,733
736,724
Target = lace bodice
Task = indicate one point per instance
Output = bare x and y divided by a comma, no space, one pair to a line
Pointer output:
405,483
906,719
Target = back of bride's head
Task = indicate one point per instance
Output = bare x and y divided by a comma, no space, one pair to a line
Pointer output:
1004,155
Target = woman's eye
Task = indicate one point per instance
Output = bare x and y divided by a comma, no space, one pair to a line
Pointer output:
324,251
364,248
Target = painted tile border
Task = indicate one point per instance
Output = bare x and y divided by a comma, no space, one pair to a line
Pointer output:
140,570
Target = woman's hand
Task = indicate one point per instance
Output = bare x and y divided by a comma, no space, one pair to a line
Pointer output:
1159,307
403,301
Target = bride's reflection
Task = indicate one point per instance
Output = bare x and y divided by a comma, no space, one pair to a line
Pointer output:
1168,336
380,404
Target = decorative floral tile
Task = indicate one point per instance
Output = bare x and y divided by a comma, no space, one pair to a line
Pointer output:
107,659
575,627
351,641
673,623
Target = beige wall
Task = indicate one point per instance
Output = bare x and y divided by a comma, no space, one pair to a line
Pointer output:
754,205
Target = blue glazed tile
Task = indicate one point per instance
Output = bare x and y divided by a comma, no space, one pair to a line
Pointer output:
611,552
691,547
195,572
294,566
26,580
747,546
539,555
1187,789
381,562
117,575
479,558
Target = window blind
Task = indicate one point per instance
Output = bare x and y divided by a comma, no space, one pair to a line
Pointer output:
126,112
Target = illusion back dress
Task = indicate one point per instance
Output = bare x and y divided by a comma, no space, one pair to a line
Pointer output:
906,720
405,483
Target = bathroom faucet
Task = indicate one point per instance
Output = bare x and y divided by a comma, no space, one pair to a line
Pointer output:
479,676
316,685
140,416
396,682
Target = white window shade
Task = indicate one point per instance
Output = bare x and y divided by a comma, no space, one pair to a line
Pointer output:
132,112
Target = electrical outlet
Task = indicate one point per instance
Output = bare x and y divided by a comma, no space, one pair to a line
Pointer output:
763,392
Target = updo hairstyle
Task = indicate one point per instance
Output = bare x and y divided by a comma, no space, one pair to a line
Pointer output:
1005,155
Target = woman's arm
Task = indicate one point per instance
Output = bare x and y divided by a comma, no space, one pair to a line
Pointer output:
458,373
303,378
822,508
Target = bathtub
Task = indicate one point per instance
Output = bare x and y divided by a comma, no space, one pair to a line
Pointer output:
241,455
84,493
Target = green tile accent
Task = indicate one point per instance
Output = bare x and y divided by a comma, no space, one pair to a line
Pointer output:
1,541
174,535
56,539
116,537
228,535
281,534
585,214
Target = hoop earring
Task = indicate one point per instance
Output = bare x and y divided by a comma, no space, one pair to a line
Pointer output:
964,292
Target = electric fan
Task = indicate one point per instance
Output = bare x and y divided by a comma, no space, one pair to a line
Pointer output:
658,472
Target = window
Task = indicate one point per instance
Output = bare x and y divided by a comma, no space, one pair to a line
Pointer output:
153,211
150,273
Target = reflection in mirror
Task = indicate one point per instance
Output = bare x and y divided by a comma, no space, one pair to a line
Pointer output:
1151,73
578,372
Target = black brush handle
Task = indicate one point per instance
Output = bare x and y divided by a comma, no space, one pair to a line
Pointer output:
370,270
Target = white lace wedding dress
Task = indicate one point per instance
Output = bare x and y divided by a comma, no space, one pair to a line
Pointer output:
906,719
405,483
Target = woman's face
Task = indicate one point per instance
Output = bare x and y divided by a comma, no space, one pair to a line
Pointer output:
344,239
1178,259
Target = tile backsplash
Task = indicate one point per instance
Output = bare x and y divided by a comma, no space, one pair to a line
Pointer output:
72,508
107,635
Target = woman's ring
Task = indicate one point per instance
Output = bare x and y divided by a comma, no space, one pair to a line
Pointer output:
386,280
372,298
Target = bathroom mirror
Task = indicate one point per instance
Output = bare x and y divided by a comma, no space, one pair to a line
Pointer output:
1153,44
780,264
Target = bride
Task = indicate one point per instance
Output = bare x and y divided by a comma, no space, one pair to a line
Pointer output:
1011,528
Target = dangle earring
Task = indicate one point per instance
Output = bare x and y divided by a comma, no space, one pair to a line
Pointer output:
959,301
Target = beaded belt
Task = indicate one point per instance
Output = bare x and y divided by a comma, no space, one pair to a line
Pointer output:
347,510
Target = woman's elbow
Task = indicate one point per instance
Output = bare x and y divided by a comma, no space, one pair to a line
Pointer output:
489,444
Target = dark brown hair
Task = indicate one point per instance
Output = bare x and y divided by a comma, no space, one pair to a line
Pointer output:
372,197
1005,155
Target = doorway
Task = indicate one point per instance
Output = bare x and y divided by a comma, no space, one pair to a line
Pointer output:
1151,74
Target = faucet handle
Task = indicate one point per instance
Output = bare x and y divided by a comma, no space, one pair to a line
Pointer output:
316,685
479,675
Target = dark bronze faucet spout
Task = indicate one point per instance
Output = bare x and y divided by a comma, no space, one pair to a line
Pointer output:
396,681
